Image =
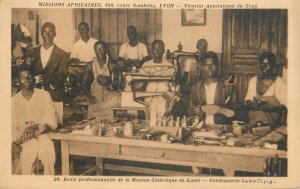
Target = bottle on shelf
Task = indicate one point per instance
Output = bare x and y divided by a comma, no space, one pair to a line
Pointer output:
171,121
177,123
100,130
184,122
164,121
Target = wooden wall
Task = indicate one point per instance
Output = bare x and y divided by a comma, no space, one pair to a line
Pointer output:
110,25
248,33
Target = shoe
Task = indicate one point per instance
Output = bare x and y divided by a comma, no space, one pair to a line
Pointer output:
212,109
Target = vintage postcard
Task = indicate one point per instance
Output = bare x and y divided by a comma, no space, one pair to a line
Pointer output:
142,94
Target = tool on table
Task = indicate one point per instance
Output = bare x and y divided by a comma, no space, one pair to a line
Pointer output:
260,129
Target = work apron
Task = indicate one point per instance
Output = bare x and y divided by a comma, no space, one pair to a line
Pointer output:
273,118
106,98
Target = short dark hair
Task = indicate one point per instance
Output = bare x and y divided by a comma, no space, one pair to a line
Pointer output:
131,27
84,24
50,25
204,40
24,69
269,56
159,42
213,56
103,43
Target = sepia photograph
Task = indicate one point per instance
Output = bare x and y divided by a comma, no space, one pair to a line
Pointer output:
145,92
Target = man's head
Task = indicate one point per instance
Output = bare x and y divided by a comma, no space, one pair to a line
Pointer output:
202,45
84,29
48,33
100,48
209,67
267,62
132,34
158,49
25,79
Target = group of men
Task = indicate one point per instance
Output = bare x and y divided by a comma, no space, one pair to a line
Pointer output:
38,107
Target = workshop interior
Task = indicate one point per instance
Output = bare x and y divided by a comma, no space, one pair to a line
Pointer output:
149,92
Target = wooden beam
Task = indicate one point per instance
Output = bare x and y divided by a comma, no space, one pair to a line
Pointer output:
99,166
65,157
148,170
154,144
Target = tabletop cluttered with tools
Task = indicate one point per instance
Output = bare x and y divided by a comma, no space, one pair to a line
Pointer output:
231,148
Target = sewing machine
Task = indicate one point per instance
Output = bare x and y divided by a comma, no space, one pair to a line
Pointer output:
131,100
180,57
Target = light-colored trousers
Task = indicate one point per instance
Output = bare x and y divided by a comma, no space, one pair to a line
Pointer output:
41,148
157,107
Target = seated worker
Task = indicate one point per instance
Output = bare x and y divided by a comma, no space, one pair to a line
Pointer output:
211,94
33,113
189,75
201,50
267,93
133,53
96,83
83,50
157,104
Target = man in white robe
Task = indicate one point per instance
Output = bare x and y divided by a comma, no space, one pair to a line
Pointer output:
157,67
33,113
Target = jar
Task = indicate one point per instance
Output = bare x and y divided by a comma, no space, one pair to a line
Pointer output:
128,129
237,129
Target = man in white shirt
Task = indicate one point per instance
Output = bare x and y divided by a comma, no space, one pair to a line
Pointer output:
158,66
133,53
211,97
83,49
50,68
211,94
267,94
33,113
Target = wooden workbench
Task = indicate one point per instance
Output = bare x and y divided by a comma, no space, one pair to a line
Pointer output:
230,159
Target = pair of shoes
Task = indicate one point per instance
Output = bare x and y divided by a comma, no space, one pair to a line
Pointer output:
212,109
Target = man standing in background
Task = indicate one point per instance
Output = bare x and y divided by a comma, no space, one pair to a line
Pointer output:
191,71
50,68
201,50
133,53
83,49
